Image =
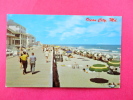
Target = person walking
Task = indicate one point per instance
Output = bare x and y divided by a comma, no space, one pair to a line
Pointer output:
20,61
32,63
24,49
18,52
46,55
24,58
43,49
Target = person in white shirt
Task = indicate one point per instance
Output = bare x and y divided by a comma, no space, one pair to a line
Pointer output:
32,62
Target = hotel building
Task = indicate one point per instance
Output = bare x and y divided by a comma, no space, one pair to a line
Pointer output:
21,38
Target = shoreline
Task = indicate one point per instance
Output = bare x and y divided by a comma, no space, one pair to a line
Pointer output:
96,53
96,48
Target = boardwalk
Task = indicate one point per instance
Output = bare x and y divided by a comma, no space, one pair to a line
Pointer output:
42,77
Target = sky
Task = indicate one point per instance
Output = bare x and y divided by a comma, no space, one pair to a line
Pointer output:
71,29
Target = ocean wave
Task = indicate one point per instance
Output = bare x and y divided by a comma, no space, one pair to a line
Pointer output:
80,47
114,51
99,50
95,50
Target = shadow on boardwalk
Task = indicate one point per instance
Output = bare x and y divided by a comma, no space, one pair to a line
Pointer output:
36,72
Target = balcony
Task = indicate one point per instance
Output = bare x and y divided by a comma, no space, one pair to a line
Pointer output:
10,35
17,38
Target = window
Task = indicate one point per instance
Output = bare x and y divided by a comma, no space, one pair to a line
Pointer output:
17,35
17,42
17,26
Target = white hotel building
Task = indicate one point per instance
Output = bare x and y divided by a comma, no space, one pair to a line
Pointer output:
22,39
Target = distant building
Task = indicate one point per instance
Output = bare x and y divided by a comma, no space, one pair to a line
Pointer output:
30,40
38,43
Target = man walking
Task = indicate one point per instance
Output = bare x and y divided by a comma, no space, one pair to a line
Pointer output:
32,62
24,58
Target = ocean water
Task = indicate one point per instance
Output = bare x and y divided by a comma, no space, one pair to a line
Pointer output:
104,48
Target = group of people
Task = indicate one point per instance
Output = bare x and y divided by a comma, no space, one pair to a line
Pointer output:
113,85
23,56
113,71
75,65
86,69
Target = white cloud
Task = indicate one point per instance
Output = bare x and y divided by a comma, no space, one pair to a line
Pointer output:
104,29
64,26
96,29
73,27
72,21
75,32
111,35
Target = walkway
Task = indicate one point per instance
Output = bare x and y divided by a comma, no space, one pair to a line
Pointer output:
42,77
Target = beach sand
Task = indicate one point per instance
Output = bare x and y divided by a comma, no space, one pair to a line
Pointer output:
70,77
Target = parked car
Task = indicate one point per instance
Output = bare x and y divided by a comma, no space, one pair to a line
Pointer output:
9,52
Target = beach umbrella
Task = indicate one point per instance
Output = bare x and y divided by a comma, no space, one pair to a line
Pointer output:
114,63
90,54
108,57
95,56
99,68
68,51
78,51
116,57
99,55
84,52
81,51
57,46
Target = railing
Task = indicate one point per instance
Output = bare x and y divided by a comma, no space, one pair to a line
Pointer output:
56,82
12,35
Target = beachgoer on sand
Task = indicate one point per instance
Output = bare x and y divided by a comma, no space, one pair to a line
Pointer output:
87,68
75,65
112,85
